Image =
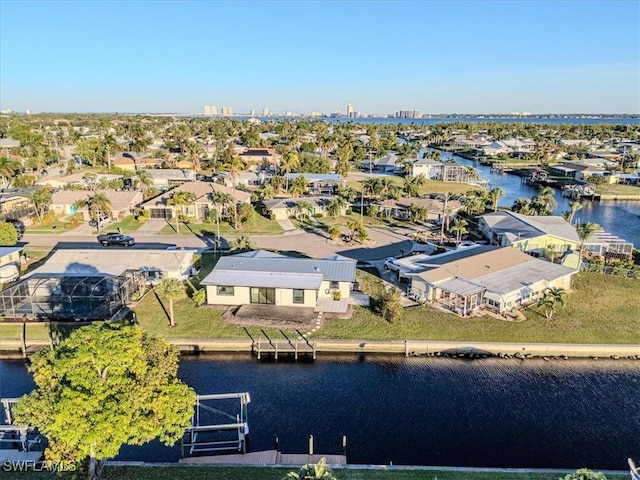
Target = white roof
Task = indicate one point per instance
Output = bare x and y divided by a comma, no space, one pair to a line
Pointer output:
110,261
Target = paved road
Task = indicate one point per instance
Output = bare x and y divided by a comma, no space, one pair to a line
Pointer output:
387,244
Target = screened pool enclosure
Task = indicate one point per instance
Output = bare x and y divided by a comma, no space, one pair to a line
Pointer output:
70,297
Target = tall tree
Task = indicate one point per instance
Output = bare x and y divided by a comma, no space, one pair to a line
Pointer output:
41,200
288,164
459,228
495,194
303,208
104,387
585,231
573,208
180,200
98,206
8,168
335,206
172,289
551,299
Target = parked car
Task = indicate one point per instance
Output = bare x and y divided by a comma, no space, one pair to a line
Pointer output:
19,226
116,239
390,264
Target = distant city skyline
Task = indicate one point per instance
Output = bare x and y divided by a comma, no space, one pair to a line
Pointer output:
434,57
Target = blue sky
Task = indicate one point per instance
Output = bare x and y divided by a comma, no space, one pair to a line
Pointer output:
302,56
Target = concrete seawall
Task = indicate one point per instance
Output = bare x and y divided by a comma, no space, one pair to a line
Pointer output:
13,348
616,196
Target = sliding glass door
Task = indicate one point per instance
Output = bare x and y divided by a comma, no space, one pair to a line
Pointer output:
263,295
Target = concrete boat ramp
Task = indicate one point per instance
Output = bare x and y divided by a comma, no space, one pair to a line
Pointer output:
265,457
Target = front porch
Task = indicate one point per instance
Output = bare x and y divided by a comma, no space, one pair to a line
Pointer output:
460,296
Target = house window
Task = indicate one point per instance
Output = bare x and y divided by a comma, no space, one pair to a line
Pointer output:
334,285
263,295
298,296
225,290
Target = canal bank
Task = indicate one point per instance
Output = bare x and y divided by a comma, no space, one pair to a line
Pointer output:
407,348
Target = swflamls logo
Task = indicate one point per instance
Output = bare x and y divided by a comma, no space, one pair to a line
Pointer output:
44,466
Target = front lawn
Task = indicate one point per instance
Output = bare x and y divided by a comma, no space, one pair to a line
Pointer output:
127,224
256,225
56,227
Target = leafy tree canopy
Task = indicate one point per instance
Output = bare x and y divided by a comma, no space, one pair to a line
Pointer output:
106,386
8,235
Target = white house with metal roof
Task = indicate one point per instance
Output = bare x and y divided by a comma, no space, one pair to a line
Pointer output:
498,278
261,277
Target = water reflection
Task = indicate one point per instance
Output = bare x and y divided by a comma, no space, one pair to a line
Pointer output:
489,412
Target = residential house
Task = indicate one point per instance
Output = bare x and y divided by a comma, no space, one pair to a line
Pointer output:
318,183
281,209
199,209
400,209
551,237
256,158
431,169
122,202
153,263
386,164
501,279
246,179
15,203
496,148
164,179
261,277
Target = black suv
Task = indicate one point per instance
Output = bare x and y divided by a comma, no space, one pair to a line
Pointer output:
116,239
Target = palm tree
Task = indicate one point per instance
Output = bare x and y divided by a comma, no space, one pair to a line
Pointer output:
334,232
145,181
277,181
179,200
288,163
8,168
495,194
220,201
552,297
574,207
243,242
235,167
298,186
547,198
522,205
335,206
98,205
303,208
585,231
320,471
446,211
459,228
172,288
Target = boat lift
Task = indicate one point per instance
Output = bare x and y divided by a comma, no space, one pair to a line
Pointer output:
17,443
209,432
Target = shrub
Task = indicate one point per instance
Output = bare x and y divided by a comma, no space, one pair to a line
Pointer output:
8,235
48,218
584,474
142,218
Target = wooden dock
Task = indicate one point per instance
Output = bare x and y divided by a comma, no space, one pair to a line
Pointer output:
295,347
265,457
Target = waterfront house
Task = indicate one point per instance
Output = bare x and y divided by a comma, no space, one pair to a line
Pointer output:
401,208
10,260
501,279
431,169
261,277
318,183
281,209
551,237
161,206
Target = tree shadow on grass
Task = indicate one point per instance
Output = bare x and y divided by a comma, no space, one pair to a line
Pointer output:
164,309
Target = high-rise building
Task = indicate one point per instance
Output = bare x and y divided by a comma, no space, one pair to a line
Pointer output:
210,110
214,110
227,111
207,110
350,112
252,112
408,114
265,112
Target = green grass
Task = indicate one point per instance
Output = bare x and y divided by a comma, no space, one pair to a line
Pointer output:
600,310
618,189
266,473
256,225
127,224
56,227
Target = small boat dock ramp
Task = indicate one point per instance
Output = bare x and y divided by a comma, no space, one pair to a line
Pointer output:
577,192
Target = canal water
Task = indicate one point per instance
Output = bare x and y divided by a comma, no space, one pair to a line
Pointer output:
423,411
619,217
